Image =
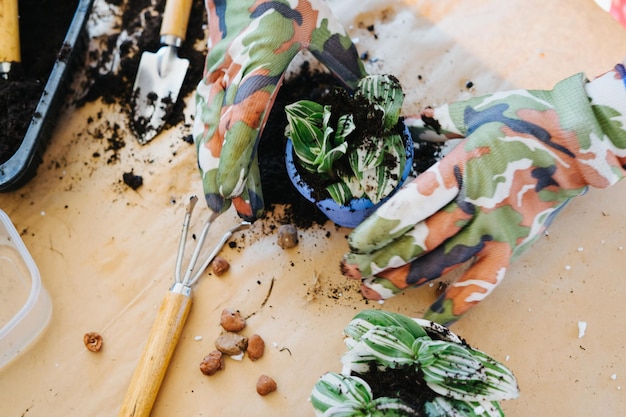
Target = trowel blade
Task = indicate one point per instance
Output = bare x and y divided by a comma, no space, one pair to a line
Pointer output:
159,79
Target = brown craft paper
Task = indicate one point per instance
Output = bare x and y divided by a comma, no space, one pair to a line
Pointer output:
106,253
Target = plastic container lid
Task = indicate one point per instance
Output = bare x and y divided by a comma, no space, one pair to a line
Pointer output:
25,306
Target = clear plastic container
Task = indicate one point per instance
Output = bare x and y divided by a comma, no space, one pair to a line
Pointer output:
25,306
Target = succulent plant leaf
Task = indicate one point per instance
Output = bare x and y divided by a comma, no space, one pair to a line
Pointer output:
463,373
448,407
367,319
335,390
386,91
344,191
319,142
315,143
466,382
390,345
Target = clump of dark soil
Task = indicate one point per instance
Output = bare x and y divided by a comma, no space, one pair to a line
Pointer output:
399,383
43,25
133,180
108,74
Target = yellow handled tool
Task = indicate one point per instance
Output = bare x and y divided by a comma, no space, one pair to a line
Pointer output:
9,36
168,325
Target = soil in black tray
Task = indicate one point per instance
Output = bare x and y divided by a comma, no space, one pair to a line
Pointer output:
43,25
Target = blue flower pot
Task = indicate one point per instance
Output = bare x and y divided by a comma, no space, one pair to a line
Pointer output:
358,209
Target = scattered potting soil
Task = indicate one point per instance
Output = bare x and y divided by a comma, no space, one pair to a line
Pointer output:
43,25
108,75
111,70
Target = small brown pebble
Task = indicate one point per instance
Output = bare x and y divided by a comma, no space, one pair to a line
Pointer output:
265,385
93,341
220,265
231,344
232,321
287,236
256,347
212,363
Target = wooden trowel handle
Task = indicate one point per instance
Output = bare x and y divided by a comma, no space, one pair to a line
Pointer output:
149,373
9,32
175,18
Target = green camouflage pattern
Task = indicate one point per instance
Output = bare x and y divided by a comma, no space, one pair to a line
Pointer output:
524,156
250,45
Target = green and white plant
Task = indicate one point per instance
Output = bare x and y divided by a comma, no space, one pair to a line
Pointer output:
464,381
321,138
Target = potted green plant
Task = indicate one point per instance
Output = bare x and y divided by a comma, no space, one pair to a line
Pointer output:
399,366
354,148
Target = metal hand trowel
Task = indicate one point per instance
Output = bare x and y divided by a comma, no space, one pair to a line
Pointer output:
160,75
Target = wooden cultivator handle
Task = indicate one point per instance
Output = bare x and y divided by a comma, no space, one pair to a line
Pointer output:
149,373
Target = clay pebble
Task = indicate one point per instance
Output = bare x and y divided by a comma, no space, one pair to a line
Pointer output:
212,363
231,344
265,385
287,236
232,321
256,347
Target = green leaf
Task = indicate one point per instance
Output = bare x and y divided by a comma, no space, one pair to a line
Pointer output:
345,126
347,188
368,319
316,144
463,373
328,154
390,407
335,390
359,359
380,171
305,109
390,345
304,141
384,90
383,346
448,407
369,154
338,395
341,192
390,177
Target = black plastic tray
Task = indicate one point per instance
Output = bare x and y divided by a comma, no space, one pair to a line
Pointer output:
22,166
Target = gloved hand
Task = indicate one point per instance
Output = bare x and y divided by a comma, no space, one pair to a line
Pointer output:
250,45
524,156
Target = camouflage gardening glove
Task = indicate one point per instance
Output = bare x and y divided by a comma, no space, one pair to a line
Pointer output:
250,45
525,154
